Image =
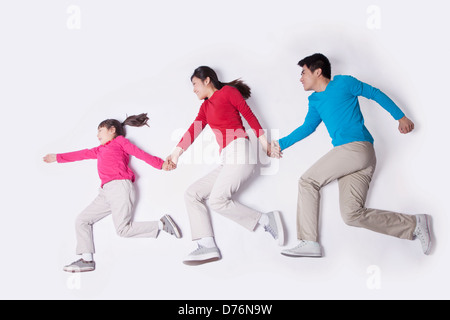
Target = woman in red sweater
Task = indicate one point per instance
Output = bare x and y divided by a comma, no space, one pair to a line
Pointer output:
223,105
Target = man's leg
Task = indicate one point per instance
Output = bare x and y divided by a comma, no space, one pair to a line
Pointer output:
353,190
339,162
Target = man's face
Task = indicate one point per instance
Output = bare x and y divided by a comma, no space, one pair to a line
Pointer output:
308,78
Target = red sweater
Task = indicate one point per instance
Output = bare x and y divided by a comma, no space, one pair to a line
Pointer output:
222,112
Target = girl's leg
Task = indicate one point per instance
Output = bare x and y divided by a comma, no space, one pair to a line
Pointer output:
96,211
121,197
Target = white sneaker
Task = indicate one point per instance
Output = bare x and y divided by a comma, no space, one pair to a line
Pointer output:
423,233
304,249
275,227
202,255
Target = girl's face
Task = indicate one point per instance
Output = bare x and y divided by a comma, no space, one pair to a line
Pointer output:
202,88
106,135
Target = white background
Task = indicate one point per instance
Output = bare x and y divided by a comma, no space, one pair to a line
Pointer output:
57,83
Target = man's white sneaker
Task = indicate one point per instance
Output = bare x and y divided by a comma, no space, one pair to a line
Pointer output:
202,255
423,232
275,227
304,249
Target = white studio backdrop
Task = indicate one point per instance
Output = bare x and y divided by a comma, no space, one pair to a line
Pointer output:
67,65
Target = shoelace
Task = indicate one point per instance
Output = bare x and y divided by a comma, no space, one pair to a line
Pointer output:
269,229
301,244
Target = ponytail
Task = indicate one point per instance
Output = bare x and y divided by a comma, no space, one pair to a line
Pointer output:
206,72
134,121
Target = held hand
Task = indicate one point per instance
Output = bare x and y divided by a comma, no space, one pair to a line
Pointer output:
405,125
275,150
175,155
168,165
50,158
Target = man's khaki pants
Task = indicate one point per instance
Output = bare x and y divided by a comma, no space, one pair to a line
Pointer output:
116,198
353,166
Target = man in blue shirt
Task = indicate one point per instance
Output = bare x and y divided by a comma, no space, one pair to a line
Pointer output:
352,161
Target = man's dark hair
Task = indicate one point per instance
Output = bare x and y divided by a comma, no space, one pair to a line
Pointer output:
317,61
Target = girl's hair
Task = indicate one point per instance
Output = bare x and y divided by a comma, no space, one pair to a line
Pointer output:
204,72
134,121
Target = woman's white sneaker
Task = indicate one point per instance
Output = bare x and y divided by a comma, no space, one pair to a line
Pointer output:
304,249
202,255
275,226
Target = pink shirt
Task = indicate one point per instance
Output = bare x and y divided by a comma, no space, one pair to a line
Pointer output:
112,159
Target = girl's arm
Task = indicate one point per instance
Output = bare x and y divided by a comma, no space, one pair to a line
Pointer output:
133,150
72,156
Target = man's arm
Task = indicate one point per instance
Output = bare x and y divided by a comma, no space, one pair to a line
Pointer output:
310,125
363,89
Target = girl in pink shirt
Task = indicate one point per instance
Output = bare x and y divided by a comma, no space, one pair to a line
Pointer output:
117,194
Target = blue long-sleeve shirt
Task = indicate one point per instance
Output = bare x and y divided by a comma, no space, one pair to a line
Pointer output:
338,107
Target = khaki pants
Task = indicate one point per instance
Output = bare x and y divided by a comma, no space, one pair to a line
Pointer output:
353,166
116,198
219,187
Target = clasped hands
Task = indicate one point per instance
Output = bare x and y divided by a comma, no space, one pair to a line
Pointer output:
273,150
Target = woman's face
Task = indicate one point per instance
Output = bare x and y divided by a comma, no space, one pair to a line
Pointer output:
201,88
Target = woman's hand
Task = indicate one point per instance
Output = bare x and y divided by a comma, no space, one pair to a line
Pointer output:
276,150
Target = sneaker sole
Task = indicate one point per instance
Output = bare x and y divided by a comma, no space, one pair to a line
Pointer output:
78,271
428,224
174,226
280,228
200,262
205,258
305,255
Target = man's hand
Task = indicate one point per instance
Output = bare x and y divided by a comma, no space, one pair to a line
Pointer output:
405,125
275,150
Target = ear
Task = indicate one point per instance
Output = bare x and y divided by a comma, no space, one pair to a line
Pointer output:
318,72
207,81
112,130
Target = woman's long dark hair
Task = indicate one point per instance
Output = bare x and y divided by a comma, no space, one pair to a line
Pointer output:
134,121
204,72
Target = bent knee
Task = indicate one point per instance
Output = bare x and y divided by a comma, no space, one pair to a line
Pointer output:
351,215
306,182
218,203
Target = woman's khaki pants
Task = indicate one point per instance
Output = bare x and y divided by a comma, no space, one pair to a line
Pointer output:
219,186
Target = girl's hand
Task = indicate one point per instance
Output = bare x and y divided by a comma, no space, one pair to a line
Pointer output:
168,165
50,158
